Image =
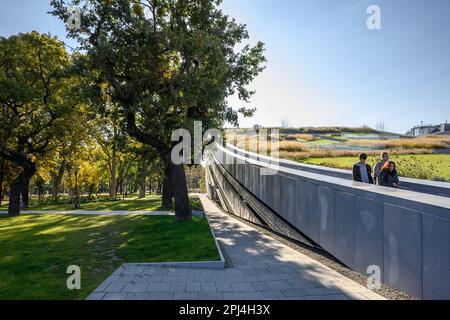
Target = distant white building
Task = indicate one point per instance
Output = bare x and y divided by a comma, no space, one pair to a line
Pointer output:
426,129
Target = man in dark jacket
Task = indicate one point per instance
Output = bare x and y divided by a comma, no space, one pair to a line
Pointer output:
362,172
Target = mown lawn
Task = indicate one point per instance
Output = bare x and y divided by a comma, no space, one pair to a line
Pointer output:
132,203
426,166
35,250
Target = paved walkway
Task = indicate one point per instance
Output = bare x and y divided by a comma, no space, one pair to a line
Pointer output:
263,268
106,213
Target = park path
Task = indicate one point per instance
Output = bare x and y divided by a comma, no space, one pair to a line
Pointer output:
262,268
101,213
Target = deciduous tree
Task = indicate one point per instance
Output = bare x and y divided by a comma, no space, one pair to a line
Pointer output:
37,103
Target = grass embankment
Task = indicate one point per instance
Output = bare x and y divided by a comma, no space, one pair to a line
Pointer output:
131,203
422,166
36,250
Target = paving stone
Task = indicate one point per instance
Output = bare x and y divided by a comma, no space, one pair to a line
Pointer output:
285,276
160,296
252,279
278,285
210,296
275,295
302,284
338,297
96,296
115,296
233,295
177,287
316,291
115,286
334,290
157,279
137,296
268,277
208,287
294,293
135,287
261,286
235,279
158,287
193,287
224,287
242,287
356,296
169,279
185,296
319,297
253,295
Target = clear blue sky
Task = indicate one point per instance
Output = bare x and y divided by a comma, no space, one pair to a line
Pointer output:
324,66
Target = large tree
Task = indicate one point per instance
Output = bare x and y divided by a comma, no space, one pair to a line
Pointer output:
168,62
37,103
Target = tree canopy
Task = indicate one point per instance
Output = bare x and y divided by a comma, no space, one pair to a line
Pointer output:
38,101
167,63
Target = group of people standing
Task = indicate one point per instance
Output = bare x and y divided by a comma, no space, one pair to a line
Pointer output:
384,173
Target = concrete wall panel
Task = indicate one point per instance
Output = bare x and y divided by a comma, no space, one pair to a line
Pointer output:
436,257
369,234
312,212
326,218
402,235
287,199
344,230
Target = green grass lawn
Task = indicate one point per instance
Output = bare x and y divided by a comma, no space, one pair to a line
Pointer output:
427,166
131,203
37,249
321,142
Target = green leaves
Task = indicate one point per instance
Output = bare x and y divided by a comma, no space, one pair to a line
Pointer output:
35,95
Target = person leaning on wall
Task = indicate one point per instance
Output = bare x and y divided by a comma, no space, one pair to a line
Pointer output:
388,176
362,172
379,165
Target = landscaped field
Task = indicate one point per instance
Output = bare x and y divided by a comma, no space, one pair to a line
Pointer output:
131,203
340,148
37,249
427,166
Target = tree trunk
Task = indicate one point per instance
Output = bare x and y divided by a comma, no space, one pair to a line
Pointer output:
150,186
14,198
57,182
142,188
167,195
159,187
2,177
25,190
113,173
16,189
180,193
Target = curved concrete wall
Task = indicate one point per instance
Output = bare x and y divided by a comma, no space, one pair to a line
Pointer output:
406,234
425,186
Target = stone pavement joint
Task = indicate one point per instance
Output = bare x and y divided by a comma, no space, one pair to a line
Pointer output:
263,269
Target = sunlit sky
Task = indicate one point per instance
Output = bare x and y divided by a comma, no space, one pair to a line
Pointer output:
325,67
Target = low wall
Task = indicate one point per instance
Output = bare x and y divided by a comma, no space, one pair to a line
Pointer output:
424,186
406,234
